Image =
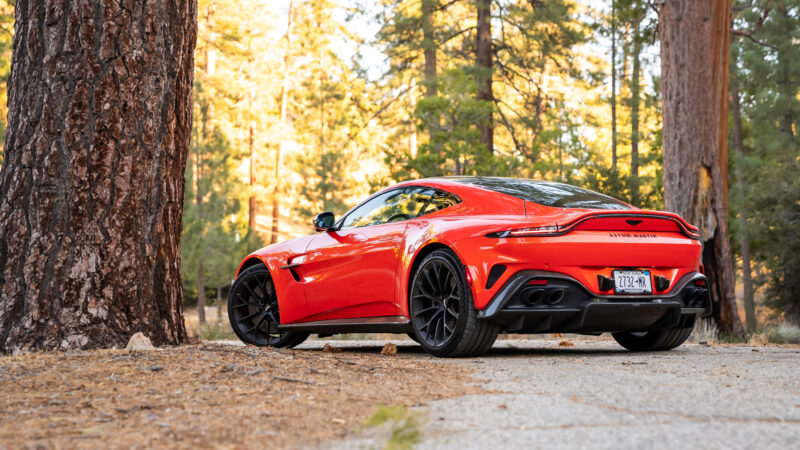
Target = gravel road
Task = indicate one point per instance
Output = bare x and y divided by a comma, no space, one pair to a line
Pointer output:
594,394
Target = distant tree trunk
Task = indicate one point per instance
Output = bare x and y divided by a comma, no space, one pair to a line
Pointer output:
252,203
201,293
744,239
695,40
429,46
484,62
287,58
219,304
614,84
636,56
208,130
91,190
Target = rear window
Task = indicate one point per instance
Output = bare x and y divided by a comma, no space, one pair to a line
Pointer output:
546,193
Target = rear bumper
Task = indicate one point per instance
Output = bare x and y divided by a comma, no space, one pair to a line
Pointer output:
564,305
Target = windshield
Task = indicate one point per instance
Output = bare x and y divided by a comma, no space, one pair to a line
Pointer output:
546,193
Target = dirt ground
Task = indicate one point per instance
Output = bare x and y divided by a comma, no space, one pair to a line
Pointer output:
209,395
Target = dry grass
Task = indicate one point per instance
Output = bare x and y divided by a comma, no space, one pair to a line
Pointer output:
705,332
776,334
208,395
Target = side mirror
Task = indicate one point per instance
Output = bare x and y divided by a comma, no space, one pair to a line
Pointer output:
324,221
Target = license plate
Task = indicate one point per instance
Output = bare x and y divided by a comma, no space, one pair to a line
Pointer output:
632,282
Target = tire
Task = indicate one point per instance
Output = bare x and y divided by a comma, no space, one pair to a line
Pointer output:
443,312
253,311
653,340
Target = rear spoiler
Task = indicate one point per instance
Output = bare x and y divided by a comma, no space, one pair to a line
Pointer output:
686,228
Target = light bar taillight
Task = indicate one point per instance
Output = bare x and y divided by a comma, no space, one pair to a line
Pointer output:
526,232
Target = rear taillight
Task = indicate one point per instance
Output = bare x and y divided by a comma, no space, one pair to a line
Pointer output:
548,230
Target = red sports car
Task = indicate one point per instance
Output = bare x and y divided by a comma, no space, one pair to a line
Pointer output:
454,261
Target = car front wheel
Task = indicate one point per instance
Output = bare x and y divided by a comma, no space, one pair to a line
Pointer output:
442,310
253,311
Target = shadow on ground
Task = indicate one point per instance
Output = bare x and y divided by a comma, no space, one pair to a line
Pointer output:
506,350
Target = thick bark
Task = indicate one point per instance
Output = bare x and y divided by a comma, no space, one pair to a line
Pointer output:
613,84
744,239
284,100
695,39
91,190
635,88
484,63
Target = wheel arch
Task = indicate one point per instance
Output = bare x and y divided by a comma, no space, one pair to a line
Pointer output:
250,262
421,254
424,251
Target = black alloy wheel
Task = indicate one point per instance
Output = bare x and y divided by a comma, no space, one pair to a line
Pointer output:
442,310
253,311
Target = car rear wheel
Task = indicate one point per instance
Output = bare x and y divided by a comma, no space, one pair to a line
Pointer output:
253,311
647,341
442,310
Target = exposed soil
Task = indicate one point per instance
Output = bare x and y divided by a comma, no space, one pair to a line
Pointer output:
209,395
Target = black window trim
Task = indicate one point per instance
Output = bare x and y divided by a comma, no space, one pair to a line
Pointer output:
339,223
464,180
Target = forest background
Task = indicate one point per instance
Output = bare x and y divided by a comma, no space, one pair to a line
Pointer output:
303,106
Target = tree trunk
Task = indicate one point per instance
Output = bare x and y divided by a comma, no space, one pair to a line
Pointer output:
91,190
252,205
484,62
429,46
201,293
636,56
614,84
744,239
695,39
219,304
287,57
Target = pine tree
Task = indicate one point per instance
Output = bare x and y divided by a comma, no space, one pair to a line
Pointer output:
90,210
768,80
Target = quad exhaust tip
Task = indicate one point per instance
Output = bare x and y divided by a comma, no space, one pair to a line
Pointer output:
556,296
533,297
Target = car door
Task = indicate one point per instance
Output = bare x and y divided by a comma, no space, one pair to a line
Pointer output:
351,272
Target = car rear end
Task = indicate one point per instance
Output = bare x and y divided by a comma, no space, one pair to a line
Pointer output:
601,267
633,271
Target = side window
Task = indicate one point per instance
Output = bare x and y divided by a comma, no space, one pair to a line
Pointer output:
440,200
391,206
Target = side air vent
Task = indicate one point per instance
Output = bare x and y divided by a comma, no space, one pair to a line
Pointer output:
494,275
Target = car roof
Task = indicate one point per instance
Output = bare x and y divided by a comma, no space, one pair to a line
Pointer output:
542,192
